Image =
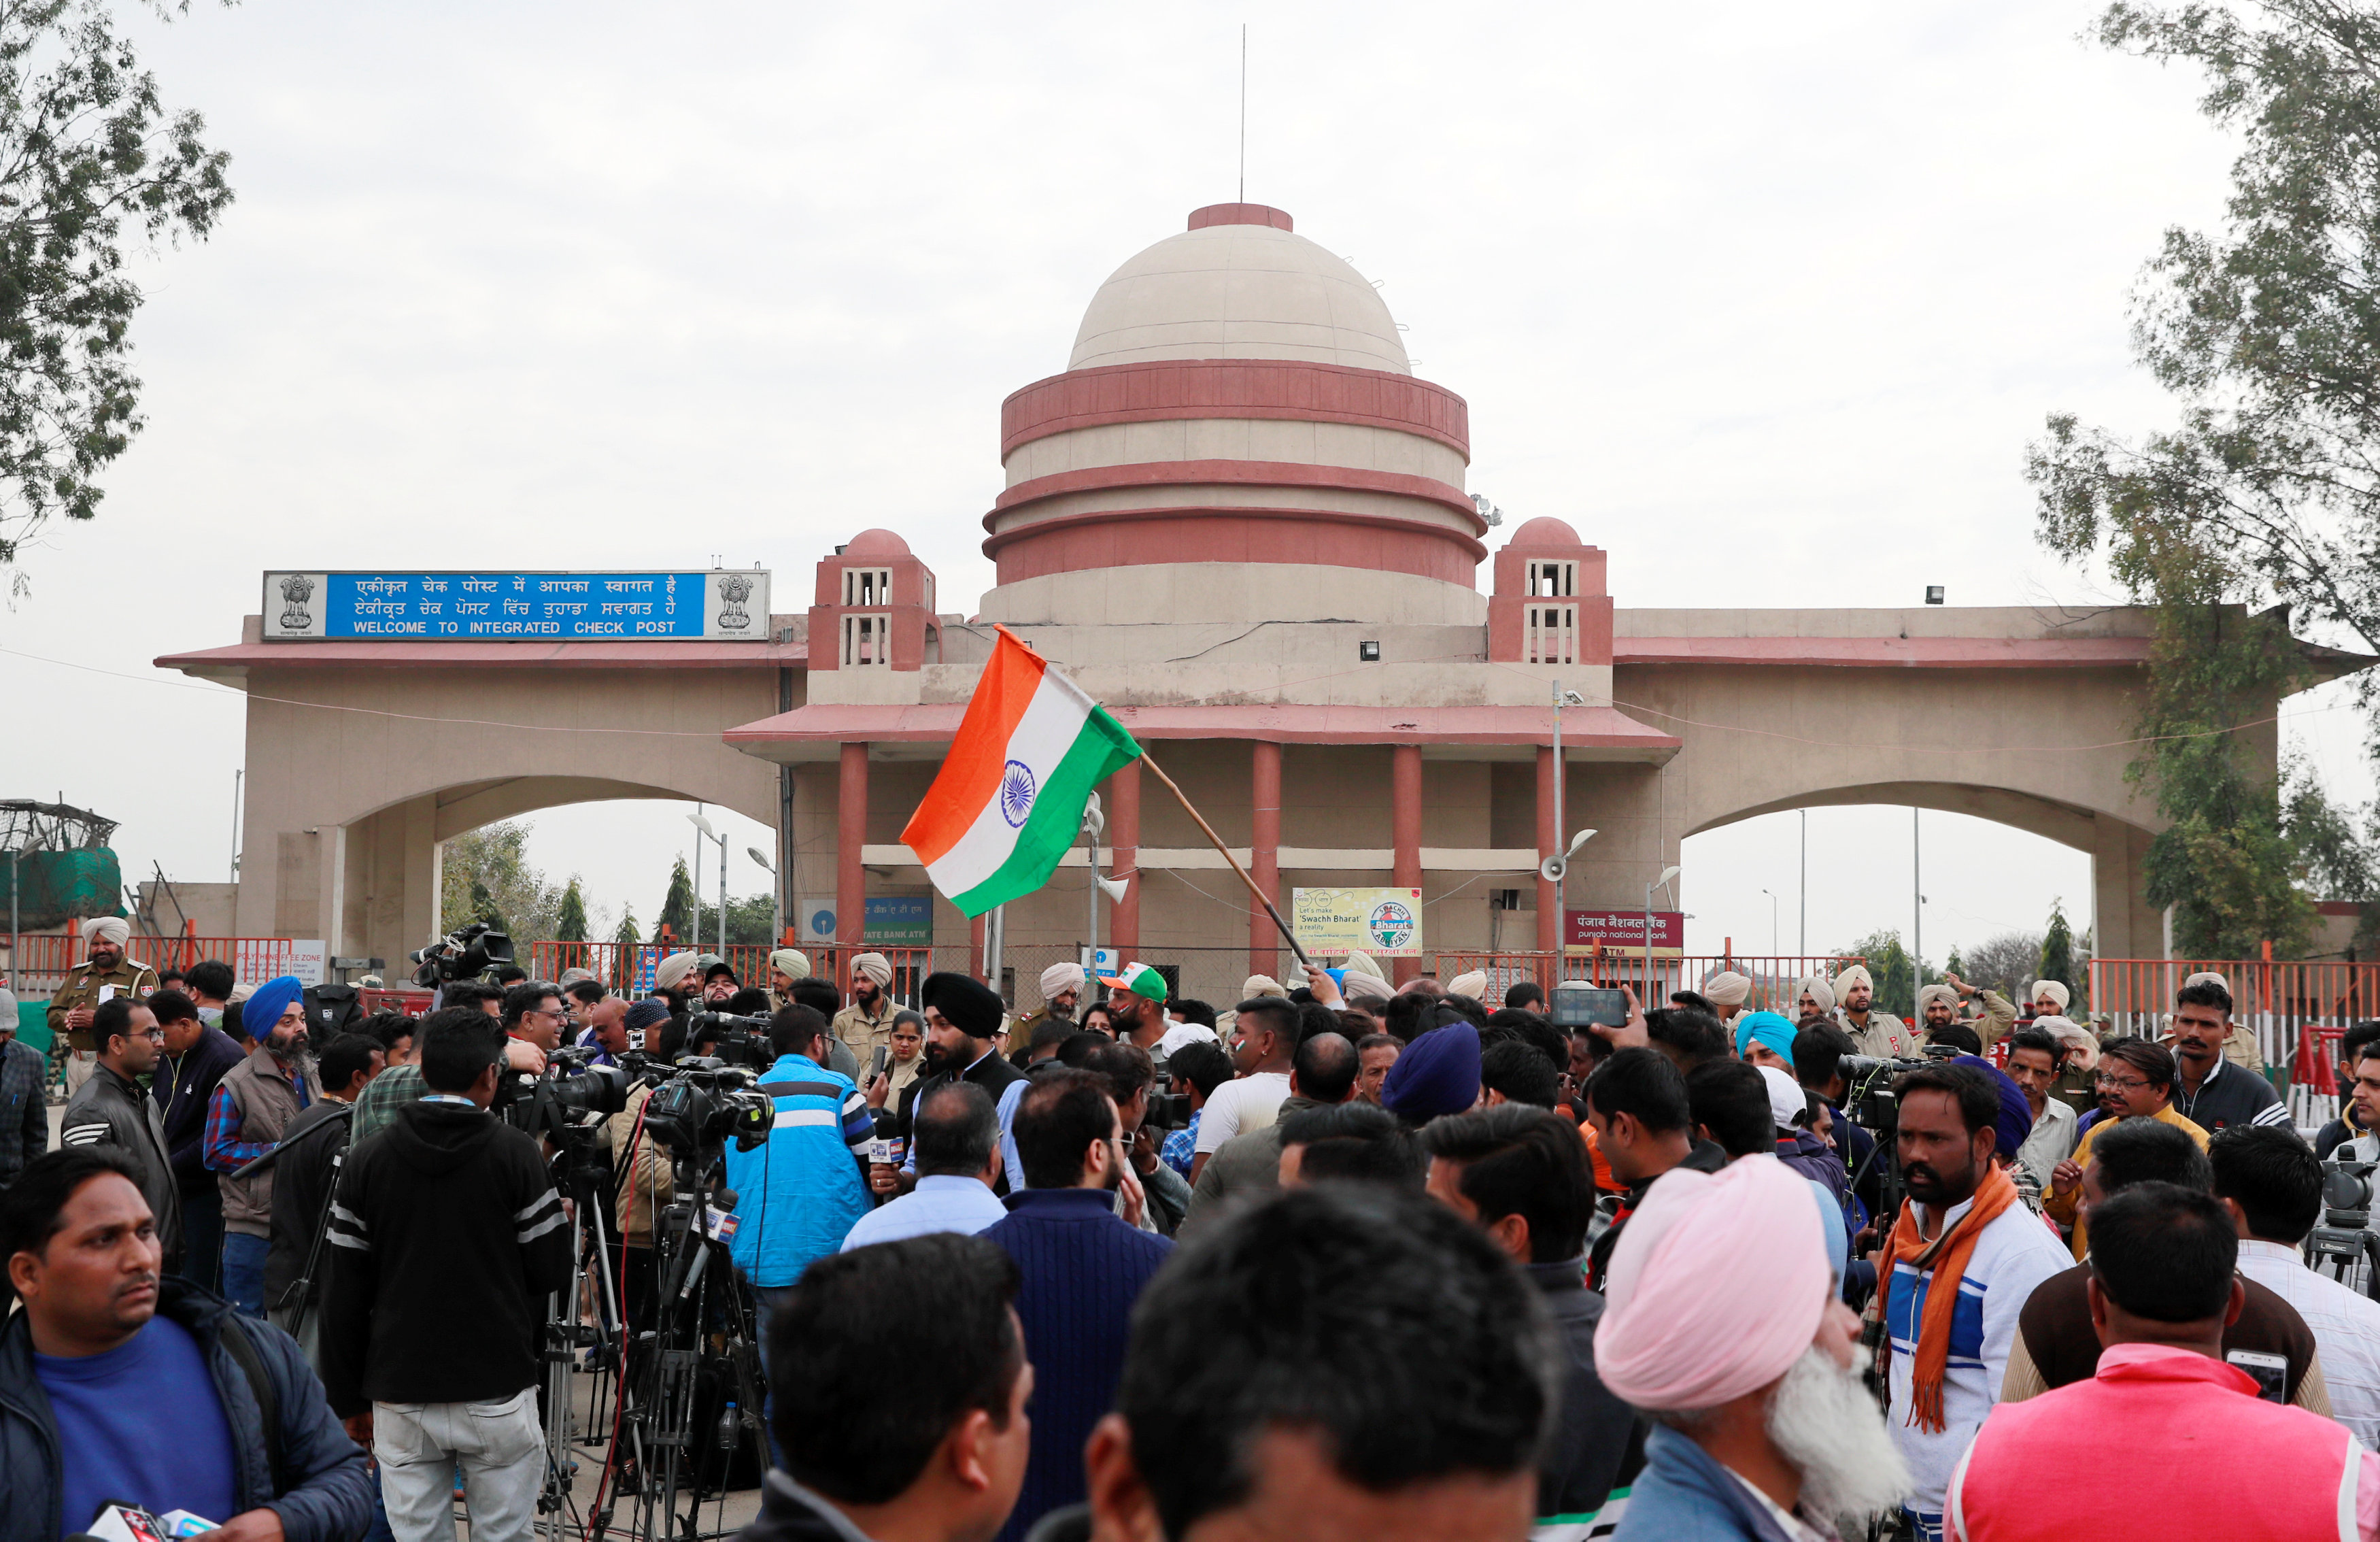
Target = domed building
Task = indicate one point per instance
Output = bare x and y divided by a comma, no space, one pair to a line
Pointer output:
1239,520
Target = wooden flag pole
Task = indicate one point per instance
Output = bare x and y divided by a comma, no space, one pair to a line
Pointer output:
1261,897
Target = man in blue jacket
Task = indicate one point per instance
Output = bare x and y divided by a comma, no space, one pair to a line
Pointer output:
798,1194
116,1384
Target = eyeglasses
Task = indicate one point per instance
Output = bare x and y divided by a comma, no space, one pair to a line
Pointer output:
2128,1084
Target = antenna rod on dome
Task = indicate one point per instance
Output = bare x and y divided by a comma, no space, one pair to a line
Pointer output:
1244,112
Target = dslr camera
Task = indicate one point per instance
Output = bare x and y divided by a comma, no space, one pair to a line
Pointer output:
736,1041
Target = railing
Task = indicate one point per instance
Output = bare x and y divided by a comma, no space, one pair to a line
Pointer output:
1773,978
2280,1001
43,958
629,966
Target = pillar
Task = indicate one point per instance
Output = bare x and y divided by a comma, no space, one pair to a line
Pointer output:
1405,829
977,927
850,844
1549,917
1123,830
1263,855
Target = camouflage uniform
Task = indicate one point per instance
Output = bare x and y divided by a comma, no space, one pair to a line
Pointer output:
81,989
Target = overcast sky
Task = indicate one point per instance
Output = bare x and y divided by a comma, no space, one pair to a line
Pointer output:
1765,300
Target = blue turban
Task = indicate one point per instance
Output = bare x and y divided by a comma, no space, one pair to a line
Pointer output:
1438,1073
1767,1027
2015,1122
266,1003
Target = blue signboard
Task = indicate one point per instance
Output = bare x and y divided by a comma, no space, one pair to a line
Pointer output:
723,605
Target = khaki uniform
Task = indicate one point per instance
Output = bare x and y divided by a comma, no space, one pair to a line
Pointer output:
81,989
860,1032
1885,1038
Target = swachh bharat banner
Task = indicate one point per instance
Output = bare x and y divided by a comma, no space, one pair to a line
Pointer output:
718,606
1385,922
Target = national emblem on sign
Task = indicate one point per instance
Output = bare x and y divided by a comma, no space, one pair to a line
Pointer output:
296,589
733,590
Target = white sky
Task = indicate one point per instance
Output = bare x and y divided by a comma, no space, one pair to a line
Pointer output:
1766,302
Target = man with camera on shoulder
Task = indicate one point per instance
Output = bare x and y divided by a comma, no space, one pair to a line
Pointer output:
447,1236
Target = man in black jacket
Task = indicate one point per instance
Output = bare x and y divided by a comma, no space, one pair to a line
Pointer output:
447,1238
117,1384
900,1385
197,1053
962,1014
111,1107
1521,1174
305,1164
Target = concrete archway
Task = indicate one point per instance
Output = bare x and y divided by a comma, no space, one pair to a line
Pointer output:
2121,920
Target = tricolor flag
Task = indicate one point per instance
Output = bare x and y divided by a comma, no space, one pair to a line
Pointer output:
1010,797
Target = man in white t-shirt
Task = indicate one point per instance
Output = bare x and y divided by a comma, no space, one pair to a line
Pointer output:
1267,1030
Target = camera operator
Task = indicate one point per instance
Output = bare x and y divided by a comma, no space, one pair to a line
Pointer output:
962,1014
532,1010
118,1384
301,1185
446,1237
641,1169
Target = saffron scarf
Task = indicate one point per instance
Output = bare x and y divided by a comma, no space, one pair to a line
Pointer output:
1946,1255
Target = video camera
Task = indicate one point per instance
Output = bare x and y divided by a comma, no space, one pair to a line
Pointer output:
469,950
2346,1195
1167,1111
1868,1096
736,1040
707,1104
570,1089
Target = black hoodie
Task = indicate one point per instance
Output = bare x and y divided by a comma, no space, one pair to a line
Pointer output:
447,1238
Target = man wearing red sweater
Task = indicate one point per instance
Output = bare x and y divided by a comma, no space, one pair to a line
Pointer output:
2193,1429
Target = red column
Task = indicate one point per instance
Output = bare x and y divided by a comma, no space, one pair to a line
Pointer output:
976,929
1405,825
1264,856
1123,829
850,840
1549,921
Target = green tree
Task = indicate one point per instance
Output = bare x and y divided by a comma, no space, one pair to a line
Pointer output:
2063,962
1889,965
485,874
750,920
2005,963
92,164
678,906
570,915
628,936
2267,487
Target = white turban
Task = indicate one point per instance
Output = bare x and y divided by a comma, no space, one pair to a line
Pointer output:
1817,989
1856,975
1930,994
1360,962
116,929
1359,987
2055,991
1469,984
791,963
2204,977
1727,989
1686,1323
876,967
1059,979
2071,1035
670,971
1260,985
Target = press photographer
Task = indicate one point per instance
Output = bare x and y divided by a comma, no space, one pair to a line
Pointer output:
116,1384
447,1238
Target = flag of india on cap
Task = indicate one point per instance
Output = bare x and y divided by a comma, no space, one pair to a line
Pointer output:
1009,799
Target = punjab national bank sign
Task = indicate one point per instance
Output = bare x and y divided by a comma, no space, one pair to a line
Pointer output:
714,606
1624,930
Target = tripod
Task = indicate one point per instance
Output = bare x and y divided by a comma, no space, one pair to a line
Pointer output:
578,1172
697,1294
2341,1246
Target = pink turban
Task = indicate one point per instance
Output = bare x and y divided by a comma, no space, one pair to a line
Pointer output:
1716,1287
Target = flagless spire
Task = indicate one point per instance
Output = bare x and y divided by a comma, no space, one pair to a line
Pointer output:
1238,412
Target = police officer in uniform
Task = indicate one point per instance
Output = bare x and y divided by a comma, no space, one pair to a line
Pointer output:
1061,994
105,971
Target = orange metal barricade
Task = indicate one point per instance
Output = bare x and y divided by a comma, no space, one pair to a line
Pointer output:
1773,978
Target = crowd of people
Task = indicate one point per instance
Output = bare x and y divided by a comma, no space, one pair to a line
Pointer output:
1349,1257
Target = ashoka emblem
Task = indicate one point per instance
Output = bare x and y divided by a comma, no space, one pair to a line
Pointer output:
1016,789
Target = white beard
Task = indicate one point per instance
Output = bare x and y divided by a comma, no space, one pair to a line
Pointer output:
1824,1422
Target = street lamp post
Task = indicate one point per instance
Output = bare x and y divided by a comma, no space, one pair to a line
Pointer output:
778,910
1773,943
704,825
1667,874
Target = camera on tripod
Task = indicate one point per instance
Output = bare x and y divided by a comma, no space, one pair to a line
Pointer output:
467,951
2346,1195
569,1091
737,1040
1868,1096
706,1105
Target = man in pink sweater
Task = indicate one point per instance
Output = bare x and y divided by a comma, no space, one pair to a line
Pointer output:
2195,1430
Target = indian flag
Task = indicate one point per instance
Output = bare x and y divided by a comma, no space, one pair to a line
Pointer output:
1010,797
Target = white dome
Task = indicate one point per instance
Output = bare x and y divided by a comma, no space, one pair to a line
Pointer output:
1238,291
